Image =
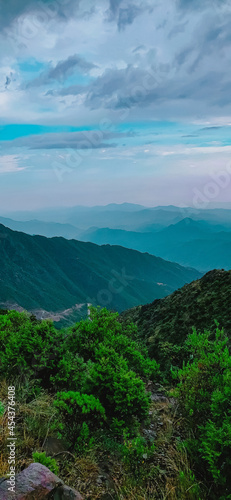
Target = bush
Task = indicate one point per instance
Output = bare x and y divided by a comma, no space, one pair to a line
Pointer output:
115,366
81,415
137,358
86,335
120,390
204,394
105,329
37,350
49,462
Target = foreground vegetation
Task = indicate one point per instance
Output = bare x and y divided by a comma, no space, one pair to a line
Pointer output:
124,427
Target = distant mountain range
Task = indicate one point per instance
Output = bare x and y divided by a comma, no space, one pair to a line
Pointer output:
190,243
194,238
126,216
48,229
164,324
55,274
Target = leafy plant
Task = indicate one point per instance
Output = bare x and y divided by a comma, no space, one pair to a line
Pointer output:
50,463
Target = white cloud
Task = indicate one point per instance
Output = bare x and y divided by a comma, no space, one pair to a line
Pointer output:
9,164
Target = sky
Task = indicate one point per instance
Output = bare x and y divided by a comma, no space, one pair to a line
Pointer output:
114,101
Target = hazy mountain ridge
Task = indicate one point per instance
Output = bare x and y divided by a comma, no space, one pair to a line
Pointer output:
124,216
48,229
190,243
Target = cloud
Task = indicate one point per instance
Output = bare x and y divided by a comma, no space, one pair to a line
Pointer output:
132,78
90,139
178,28
66,91
7,82
133,87
126,16
114,6
9,163
138,49
120,88
62,70
198,4
214,128
65,68
124,12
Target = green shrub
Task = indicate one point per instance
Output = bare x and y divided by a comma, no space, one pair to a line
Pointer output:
37,350
86,335
105,329
81,415
204,394
137,359
49,462
121,391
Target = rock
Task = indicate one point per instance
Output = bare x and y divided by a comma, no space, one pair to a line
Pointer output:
37,482
33,483
54,445
66,493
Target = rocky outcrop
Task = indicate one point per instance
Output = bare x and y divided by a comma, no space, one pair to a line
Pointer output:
37,482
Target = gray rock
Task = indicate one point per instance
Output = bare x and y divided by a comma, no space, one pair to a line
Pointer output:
33,483
36,482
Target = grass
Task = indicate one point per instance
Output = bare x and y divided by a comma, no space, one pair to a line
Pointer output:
166,476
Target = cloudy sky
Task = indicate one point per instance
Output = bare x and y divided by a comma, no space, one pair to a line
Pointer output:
114,100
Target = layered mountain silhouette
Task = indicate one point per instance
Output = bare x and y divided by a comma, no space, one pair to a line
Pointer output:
193,238
48,229
127,216
192,243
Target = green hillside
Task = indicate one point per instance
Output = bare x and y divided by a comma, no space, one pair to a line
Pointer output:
55,274
164,324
